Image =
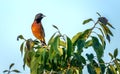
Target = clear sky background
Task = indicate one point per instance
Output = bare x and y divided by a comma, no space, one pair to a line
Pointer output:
16,17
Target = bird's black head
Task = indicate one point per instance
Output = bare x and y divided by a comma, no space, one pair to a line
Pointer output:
39,17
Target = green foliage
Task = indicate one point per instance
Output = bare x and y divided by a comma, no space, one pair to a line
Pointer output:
115,53
87,21
11,71
114,66
63,55
98,48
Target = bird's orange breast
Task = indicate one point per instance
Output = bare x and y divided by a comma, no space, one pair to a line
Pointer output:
38,31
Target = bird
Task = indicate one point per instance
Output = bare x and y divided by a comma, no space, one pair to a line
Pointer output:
37,28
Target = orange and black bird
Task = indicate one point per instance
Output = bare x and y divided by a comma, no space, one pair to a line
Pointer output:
37,28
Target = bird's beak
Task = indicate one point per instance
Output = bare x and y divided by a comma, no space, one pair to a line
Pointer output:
43,16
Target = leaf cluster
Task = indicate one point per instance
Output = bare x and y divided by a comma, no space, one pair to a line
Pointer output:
10,70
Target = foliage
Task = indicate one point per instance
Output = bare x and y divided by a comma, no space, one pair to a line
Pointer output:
10,71
63,55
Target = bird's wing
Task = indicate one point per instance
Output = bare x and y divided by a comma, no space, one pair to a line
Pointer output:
43,30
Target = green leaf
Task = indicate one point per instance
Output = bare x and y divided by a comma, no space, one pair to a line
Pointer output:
97,70
40,52
45,56
81,35
109,32
37,62
11,65
90,57
98,48
104,28
80,45
21,48
98,14
112,68
69,47
62,43
29,44
102,40
76,37
77,71
76,61
51,53
111,56
87,21
64,54
109,71
35,66
55,59
86,34
102,66
61,51
115,52
106,31
55,27
27,58
20,37
24,59
88,43
101,31
69,71
56,42
40,70
5,71
16,71
90,69
108,38
118,59
82,59
117,65
94,63
51,39
54,48
110,25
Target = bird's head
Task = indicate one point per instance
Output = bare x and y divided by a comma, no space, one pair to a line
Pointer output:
39,17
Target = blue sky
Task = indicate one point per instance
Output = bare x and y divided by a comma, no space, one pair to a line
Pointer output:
16,17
